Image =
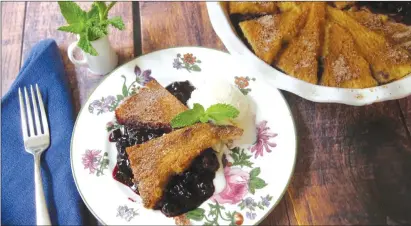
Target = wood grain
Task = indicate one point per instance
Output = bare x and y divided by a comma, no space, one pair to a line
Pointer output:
405,105
171,24
353,163
12,20
42,21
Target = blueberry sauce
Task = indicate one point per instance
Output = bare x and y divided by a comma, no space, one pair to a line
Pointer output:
130,137
185,191
188,190
181,90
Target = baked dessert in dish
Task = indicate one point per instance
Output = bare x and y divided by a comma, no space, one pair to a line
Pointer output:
293,40
171,169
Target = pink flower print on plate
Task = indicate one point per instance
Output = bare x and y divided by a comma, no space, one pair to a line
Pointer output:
236,186
263,139
91,160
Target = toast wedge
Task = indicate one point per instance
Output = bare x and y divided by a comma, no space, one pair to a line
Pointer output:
267,34
300,57
343,65
152,107
388,62
153,163
396,33
258,8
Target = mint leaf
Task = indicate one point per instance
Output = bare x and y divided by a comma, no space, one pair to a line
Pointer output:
101,9
116,22
221,112
255,172
76,28
217,112
85,45
93,14
198,107
72,12
204,118
96,33
188,117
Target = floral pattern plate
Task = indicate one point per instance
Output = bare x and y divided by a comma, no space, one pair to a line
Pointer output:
256,175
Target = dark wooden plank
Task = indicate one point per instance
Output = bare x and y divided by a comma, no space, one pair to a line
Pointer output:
136,29
42,21
405,105
187,24
170,24
353,164
12,20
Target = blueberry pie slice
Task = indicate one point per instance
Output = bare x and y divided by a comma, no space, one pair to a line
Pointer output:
172,170
174,173
152,107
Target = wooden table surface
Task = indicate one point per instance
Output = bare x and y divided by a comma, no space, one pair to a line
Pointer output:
353,164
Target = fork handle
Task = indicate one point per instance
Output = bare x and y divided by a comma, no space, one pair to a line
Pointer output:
42,214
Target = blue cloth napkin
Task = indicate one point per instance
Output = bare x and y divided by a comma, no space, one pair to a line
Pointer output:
43,66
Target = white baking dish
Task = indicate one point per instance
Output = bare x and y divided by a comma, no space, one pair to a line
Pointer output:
222,26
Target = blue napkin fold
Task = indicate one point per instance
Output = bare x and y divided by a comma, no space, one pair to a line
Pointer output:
43,66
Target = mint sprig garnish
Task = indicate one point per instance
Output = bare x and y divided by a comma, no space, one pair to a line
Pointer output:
217,113
90,25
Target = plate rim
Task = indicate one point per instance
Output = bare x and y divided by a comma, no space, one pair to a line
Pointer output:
160,50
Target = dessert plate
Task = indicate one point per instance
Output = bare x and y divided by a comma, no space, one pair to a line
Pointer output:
257,175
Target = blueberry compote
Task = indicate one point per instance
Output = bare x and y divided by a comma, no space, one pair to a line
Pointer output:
181,90
129,137
185,191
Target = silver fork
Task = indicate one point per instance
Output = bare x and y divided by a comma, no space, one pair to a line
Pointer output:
35,142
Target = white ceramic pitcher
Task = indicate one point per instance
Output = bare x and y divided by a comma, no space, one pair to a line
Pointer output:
103,63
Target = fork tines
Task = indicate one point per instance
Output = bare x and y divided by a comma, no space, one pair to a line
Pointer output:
26,111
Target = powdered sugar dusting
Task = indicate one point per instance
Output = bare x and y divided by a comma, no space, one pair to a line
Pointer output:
407,45
396,55
308,55
404,34
374,22
269,32
341,70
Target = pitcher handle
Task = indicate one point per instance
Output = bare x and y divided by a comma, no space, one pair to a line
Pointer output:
70,53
